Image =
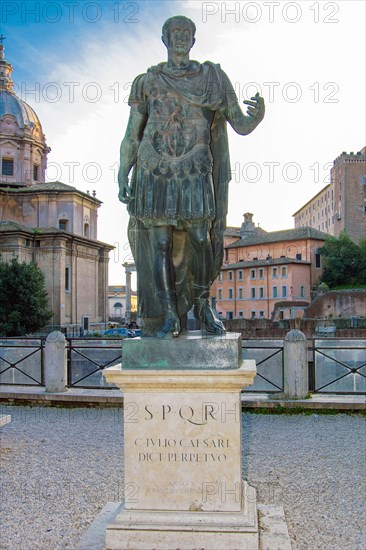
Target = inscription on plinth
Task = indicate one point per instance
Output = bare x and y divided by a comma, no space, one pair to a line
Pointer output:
183,451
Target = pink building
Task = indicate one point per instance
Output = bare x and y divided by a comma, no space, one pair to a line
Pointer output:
263,269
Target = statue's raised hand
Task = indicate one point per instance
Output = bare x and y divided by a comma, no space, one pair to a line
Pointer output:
256,108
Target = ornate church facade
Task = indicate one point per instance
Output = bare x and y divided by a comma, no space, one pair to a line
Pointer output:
49,223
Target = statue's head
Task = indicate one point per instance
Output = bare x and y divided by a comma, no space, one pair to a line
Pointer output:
178,34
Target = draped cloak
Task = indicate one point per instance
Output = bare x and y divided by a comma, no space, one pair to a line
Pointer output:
204,86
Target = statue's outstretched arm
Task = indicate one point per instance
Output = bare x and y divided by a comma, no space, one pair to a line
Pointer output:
128,151
244,124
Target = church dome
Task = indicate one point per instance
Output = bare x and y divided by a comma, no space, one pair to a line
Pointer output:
10,104
22,142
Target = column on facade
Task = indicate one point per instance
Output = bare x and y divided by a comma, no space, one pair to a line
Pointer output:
128,292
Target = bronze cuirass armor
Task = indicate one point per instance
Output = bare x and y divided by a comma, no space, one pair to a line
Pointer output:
173,183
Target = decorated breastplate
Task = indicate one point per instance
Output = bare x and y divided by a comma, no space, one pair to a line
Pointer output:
176,137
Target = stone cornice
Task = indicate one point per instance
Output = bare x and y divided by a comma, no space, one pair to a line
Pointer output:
178,380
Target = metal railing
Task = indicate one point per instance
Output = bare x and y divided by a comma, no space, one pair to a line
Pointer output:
338,366
335,365
268,355
87,358
22,361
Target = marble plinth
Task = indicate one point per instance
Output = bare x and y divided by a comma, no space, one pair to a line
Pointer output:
183,474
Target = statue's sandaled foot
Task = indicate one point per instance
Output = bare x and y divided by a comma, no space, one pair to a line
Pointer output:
209,319
171,327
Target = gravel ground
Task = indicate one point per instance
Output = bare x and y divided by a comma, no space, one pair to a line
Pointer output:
60,466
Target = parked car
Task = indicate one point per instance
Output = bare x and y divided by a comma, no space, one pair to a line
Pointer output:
134,333
122,331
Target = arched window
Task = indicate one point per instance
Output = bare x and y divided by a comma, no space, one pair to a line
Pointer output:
35,172
62,224
118,307
86,227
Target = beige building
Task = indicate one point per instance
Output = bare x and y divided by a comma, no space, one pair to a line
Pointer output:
51,224
117,306
341,205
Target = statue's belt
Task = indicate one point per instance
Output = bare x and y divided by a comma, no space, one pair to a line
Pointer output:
198,159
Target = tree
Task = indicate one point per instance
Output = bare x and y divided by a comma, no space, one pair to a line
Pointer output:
344,261
362,246
23,298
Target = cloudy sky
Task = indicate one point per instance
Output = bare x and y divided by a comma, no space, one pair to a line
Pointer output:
74,62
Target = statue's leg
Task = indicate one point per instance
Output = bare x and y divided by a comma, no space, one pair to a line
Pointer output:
164,280
202,269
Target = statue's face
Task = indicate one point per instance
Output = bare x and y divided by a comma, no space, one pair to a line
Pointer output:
181,38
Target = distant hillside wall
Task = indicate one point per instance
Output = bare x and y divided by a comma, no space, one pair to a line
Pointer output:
338,303
264,328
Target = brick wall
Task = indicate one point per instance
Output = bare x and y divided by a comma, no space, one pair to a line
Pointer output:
349,188
338,303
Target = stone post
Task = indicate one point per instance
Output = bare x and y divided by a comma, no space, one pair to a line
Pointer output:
296,371
55,364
